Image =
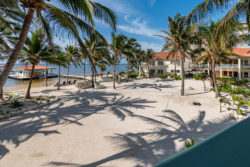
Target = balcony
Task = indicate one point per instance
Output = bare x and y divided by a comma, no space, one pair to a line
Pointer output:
227,66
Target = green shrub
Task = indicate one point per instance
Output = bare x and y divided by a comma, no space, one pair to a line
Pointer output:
16,104
173,75
178,77
189,143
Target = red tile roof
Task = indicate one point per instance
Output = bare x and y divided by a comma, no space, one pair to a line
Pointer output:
164,55
242,51
1,65
37,67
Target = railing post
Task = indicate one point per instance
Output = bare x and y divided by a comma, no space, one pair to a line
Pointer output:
239,68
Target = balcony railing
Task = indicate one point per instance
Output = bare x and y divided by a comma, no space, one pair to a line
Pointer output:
226,66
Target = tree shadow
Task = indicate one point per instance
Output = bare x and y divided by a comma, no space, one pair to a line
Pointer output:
3,151
151,147
158,87
73,107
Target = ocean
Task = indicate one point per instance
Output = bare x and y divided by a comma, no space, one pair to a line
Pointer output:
13,84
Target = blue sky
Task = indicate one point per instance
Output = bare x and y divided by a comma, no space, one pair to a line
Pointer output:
142,19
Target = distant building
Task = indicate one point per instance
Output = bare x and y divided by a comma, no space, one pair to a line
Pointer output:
234,67
164,63
24,72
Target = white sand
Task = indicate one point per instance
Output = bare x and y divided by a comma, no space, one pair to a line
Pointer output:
139,124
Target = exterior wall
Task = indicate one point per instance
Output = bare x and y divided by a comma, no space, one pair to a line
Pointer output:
167,66
27,73
234,68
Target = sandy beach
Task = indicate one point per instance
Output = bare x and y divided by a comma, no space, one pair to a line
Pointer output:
140,124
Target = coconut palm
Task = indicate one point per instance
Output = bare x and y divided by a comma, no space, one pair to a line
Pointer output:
178,41
239,9
64,15
73,57
117,46
218,46
61,60
131,49
34,51
97,48
149,53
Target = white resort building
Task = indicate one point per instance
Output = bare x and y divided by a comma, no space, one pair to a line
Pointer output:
164,63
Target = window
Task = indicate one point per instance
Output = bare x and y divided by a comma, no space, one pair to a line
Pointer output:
160,63
245,74
152,63
230,74
177,71
160,71
245,62
225,73
152,71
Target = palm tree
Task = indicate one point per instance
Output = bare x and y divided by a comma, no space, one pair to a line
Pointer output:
73,57
240,8
218,46
34,51
118,48
178,41
130,53
61,60
97,48
69,15
149,53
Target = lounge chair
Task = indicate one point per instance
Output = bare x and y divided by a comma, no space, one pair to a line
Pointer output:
69,83
196,103
64,83
99,86
191,88
74,82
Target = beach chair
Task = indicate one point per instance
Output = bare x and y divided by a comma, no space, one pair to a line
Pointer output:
69,83
74,82
64,83
196,103
191,88
98,85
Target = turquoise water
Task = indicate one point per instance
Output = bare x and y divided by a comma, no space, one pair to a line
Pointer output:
19,84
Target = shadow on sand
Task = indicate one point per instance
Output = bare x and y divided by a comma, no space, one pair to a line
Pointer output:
19,129
170,128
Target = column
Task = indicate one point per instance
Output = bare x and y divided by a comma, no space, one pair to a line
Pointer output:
239,68
221,75
208,66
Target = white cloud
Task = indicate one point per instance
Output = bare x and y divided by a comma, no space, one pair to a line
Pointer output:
147,45
120,6
152,2
138,27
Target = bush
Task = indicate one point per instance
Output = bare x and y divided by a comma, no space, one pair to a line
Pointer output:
122,74
16,104
133,76
173,75
178,77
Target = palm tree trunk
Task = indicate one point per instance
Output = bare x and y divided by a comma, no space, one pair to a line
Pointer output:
182,75
211,75
175,64
19,45
114,75
68,75
1,93
46,75
217,93
84,69
27,96
128,70
59,77
93,84
204,84
117,70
